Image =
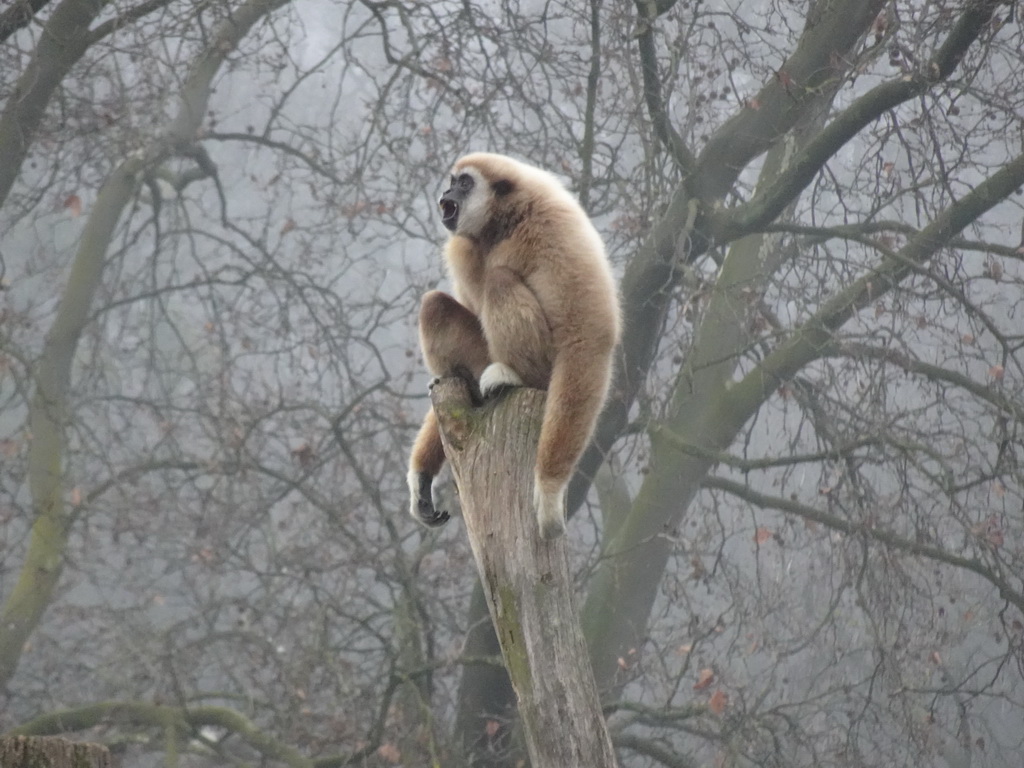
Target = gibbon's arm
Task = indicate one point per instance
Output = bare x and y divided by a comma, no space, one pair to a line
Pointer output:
579,385
575,370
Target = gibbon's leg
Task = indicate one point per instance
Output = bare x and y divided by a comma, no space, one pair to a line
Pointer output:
453,345
452,338
517,332
579,384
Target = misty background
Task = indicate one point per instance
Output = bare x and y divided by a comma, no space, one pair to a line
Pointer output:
800,537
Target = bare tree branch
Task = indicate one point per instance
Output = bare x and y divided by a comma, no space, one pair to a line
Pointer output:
729,224
65,39
815,337
50,408
18,15
648,11
1007,590
832,31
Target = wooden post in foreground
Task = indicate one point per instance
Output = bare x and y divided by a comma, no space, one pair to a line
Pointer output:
49,752
492,451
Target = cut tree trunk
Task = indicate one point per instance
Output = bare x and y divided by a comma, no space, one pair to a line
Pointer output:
48,752
492,451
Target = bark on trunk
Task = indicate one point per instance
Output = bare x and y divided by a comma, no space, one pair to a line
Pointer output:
45,752
526,579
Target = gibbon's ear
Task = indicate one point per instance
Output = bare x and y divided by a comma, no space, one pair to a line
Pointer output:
501,187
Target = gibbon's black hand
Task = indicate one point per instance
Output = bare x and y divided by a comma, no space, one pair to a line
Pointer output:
430,516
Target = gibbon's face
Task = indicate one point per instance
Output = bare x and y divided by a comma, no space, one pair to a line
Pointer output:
465,205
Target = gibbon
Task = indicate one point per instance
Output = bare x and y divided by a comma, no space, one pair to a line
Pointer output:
535,305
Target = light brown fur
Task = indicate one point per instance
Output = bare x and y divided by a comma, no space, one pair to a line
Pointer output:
535,293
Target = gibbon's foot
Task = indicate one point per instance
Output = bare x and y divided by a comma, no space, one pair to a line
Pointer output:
422,501
497,377
549,502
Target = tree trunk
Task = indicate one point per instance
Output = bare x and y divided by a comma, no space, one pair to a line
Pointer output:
526,579
40,752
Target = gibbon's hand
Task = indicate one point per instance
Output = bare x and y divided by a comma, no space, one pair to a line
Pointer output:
422,501
549,503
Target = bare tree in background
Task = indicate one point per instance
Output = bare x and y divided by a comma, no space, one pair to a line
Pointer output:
798,540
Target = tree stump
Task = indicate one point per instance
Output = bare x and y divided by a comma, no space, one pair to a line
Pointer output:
50,752
492,450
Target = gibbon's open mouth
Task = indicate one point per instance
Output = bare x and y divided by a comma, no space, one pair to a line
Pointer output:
449,213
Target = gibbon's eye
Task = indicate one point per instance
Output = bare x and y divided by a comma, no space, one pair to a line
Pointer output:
464,182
